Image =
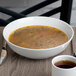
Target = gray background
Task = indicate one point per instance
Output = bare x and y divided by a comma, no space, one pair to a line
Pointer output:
19,5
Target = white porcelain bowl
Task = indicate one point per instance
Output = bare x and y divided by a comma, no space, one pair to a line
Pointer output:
38,20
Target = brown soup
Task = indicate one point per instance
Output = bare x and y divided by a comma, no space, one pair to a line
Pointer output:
38,37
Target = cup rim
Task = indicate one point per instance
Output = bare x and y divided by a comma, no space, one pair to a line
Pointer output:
66,59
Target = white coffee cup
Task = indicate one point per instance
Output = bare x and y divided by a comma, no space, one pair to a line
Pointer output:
56,71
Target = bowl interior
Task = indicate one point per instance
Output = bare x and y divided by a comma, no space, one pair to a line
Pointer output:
37,21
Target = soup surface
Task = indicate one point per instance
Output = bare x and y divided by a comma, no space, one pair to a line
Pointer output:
38,37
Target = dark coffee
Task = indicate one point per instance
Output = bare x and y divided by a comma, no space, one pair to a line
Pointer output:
65,64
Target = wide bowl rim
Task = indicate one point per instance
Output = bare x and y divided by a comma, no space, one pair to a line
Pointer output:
40,49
